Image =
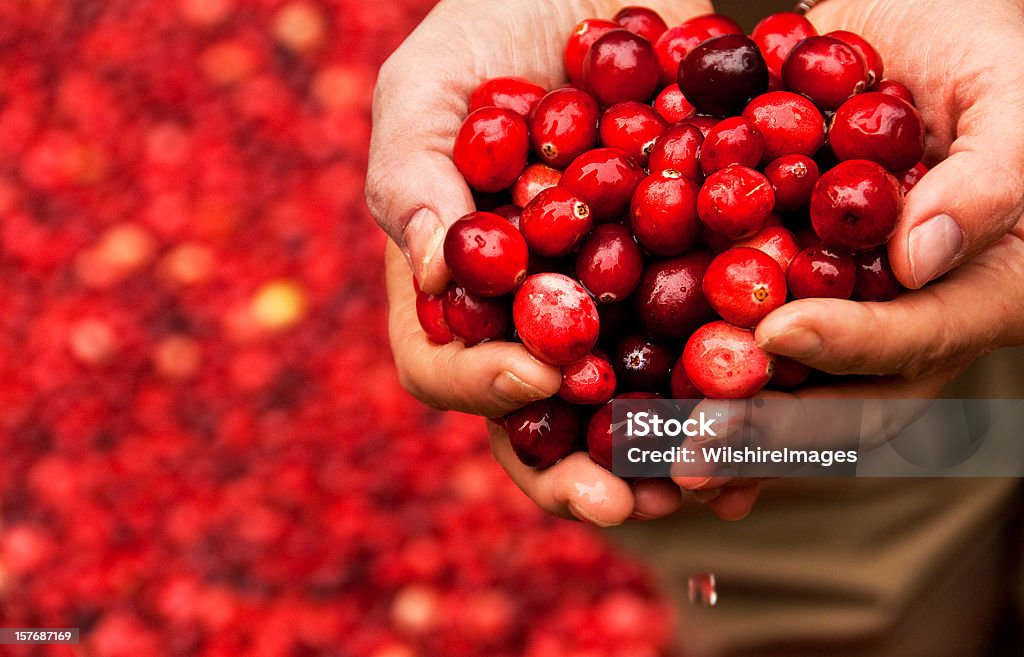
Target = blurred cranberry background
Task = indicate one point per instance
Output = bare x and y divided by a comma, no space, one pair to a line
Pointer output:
205,450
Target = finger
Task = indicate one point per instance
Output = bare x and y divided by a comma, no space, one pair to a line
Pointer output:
655,498
735,502
575,487
490,379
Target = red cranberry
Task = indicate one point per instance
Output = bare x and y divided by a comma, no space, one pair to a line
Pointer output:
536,178
555,222
826,70
777,241
588,382
486,254
605,179
610,263
872,60
475,319
789,373
544,432
909,179
672,105
555,318
621,66
878,127
510,213
519,95
724,361
875,279
821,272
715,24
674,45
681,385
669,300
491,147
642,22
897,89
564,126
600,427
743,285
776,36
722,74
678,148
664,213
583,36
789,123
793,178
641,364
735,201
632,128
856,205
430,312
733,141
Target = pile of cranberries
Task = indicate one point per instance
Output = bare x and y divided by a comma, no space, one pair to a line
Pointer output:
637,223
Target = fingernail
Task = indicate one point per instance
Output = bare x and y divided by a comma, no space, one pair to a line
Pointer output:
933,246
796,342
510,387
582,515
424,238
705,496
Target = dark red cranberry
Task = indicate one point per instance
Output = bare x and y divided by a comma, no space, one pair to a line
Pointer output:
675,44
583,36
672,106
826,70
702,123
555,222
475,319
872,60
610,263
641,364
856,205
491,147
600,427
722,74
793,178
724,361
778,34
715,24
878,127
743,285
678,148
632,128
544,432
789,123
605,179
821,272
681,385
777,241
735,201
621,66
875,279
789,373
669,300
715,242
519,95
588,382
430,312
909,179
535,178
486,254
733,141
510,213
642,22
897,89
564,126
555,318
663,214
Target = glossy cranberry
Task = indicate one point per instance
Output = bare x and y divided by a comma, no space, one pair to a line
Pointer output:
663,214
600,427
430,312
724,361
909,179
743,285
544,432
778,34
535,178
632,128
793,178
735,201
669,301
588,382
733,141
583,36
605,179
555,318
510,213
610,263
475,319
826,70
821,272
702,123
621,66
722,74
519,95
555,222
641,364
872,60
681,385
674,45
642,22
789,123
789,373
897,89
672,106
491,147
715,24
564,126
878,127
486,254
875,279
776,241
856,205
678,148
